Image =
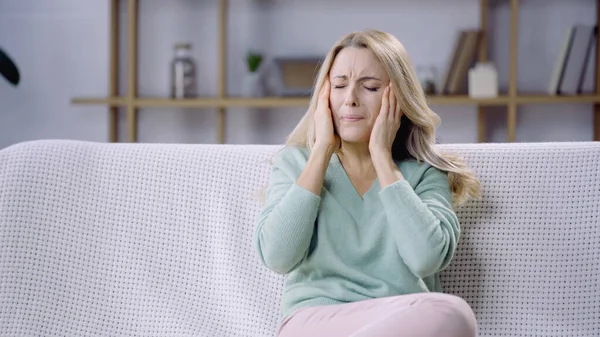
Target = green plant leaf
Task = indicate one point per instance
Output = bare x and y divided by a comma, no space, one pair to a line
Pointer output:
254,60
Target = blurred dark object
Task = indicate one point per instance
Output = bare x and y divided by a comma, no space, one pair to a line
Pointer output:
8,69
427,76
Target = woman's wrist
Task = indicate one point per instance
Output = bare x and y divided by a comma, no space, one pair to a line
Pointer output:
324,149
380,155
313,173
386,168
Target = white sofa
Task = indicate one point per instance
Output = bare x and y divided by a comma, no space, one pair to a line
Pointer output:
101,239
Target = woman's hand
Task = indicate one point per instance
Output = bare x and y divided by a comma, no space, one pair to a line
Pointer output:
325,137
386,125
383,136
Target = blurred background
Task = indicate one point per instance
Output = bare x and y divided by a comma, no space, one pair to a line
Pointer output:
62,50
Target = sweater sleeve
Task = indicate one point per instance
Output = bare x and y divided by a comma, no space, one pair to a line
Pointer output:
422,221
285,225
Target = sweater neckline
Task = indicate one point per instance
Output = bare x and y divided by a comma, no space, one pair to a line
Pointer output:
345,185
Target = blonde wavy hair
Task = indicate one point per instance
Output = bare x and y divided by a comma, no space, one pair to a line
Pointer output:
416,136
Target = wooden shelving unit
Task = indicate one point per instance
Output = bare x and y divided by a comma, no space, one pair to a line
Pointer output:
265,102
131,102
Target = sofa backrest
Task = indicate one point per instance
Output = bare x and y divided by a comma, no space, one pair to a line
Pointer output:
156,240
529,255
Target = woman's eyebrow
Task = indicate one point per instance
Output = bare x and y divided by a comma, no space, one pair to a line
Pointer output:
364,78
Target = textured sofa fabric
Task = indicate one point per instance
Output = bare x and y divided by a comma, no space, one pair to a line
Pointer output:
101,239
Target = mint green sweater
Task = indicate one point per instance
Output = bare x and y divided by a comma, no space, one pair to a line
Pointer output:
339,247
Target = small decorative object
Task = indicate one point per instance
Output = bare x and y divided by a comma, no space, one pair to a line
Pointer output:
295,76
252,84
183,72
427,76
9,69
483,80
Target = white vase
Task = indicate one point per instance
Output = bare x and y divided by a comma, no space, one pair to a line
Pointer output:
483,81
252,85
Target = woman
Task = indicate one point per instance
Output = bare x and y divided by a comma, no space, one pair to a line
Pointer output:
359,209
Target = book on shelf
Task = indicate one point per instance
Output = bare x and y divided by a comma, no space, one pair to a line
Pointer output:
462,59
576,52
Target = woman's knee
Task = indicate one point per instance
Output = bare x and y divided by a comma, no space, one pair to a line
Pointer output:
457,314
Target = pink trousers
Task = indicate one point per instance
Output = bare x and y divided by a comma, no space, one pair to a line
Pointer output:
413,315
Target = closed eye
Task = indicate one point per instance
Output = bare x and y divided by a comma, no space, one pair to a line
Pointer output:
373,89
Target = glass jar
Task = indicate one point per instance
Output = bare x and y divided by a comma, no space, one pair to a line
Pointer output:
183,72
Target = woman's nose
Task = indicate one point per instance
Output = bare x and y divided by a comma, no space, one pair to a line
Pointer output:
351,98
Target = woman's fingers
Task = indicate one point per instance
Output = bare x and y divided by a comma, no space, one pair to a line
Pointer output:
392,103
395,113
385,102
324,94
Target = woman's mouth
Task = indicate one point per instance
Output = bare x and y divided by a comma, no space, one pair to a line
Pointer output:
352,118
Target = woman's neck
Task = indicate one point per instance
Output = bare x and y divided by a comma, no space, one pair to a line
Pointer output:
356,158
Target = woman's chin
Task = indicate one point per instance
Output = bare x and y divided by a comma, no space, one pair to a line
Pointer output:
354,137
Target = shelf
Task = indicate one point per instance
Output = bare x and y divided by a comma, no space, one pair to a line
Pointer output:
550,99
110,101
210,102
263,102
466,100
201,102
281,102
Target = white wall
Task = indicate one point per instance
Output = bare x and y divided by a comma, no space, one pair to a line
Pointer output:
62,49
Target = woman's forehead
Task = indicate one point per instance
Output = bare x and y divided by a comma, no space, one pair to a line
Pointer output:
357,62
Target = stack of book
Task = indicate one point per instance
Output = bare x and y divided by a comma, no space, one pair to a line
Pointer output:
463,57
576,51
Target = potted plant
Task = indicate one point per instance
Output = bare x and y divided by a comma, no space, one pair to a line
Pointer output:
252,84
